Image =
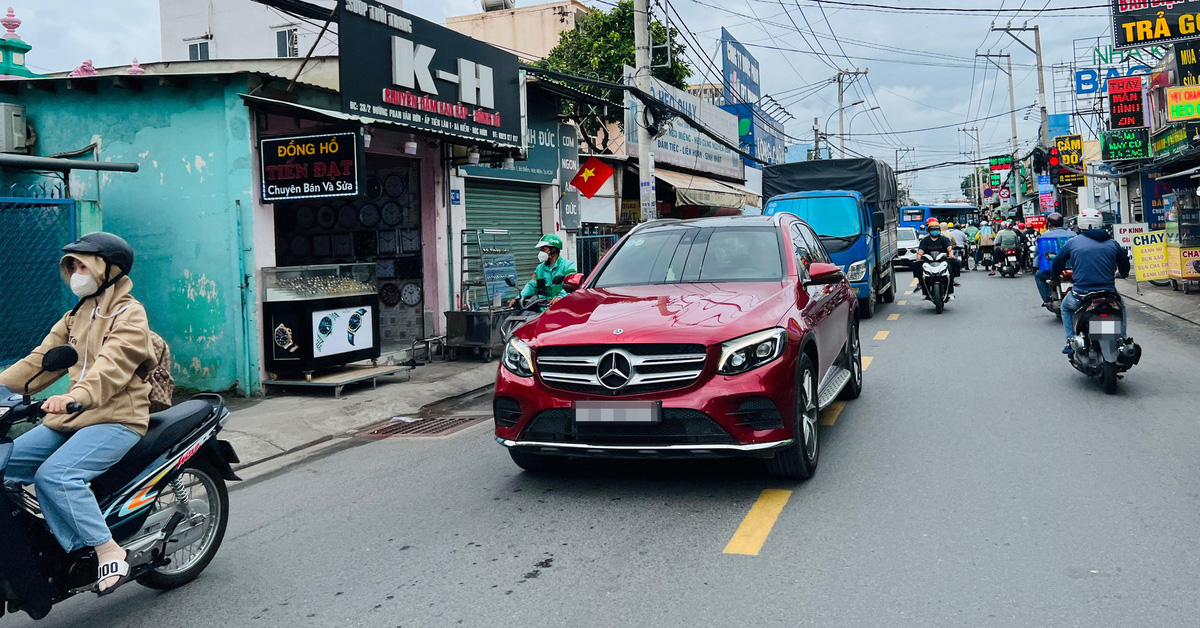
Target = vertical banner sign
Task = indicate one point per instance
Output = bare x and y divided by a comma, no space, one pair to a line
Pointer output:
1150,256
1138,23
1046,192
397,67
1187,63
1125,103
740,71
568,160
1070,152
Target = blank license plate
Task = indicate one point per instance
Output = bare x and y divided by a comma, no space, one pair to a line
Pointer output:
1103,327
643,412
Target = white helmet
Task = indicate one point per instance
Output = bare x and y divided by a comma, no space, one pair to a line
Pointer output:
1090,219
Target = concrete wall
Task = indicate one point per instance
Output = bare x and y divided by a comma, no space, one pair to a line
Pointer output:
240,29
187,212
529,32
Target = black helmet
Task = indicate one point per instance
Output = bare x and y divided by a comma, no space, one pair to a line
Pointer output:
1054,220
109,247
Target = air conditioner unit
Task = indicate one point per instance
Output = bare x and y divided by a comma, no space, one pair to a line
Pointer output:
12,129
498,5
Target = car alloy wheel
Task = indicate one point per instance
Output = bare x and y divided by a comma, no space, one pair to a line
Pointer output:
809,417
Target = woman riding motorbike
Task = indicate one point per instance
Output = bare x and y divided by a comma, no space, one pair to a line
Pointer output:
69,449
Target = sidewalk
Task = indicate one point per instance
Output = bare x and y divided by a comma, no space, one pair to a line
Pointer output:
298,418
1184,306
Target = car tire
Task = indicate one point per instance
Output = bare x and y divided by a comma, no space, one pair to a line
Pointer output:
866,306
889,295
853,364
798,461
536,463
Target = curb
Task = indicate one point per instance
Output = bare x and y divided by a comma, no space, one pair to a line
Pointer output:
329,437
1135,298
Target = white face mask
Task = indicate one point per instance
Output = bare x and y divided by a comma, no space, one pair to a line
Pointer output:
543,256
83,285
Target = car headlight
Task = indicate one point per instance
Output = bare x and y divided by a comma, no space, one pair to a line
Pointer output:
856,271
517,358
750,352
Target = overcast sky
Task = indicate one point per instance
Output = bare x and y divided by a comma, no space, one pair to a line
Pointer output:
922,70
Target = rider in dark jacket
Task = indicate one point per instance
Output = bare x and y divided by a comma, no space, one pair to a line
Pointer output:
1094,258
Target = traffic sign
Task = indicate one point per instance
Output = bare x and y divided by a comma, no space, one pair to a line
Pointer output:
989,191
1005,193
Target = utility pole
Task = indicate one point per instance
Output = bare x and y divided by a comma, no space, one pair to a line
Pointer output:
841,105
1036,50
978,157
1015,177
816,138
642,79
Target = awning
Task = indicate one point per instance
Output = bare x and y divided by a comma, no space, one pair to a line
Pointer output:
693,189
1185,173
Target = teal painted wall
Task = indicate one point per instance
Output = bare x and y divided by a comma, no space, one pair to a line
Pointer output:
187,211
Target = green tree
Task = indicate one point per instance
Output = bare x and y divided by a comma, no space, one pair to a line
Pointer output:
968,183
600,47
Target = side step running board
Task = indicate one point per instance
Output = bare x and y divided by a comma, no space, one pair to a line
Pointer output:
836,380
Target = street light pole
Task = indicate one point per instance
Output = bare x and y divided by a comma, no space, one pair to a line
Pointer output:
850,128
641,49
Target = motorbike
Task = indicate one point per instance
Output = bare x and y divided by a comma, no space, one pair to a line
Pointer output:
165,502
935,279
1100,350
528,308
986,258
1010,263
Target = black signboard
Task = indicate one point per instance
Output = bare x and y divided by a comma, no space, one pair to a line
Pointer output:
1125,144
1187,63
996,180
1126,103
1070,153
1000,162
1142,23
310,166
400,68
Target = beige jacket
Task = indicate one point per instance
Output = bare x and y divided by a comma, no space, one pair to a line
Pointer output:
112,335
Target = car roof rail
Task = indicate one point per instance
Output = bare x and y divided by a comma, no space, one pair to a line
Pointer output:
656,221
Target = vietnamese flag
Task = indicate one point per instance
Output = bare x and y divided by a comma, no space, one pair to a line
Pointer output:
592,177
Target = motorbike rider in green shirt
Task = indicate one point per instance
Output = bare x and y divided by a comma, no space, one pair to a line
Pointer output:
552,265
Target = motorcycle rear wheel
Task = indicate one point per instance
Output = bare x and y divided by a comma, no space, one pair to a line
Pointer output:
1109,378
187,563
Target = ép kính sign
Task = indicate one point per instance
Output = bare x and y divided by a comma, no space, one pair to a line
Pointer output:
1183,103
1125,144
309,166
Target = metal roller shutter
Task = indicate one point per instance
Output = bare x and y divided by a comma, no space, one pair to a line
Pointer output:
507,205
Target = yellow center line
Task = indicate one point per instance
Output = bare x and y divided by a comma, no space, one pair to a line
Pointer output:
881,335
755,528
893,317
913,284
901,302
830,415
867,360
909,292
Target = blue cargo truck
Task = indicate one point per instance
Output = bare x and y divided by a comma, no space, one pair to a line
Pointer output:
852,204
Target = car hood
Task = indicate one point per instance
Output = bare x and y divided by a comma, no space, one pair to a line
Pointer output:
701,313
908,244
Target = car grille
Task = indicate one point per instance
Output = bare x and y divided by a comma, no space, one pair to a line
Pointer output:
653,367
677,427
758,414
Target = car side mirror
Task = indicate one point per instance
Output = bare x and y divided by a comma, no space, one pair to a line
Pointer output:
877,220
572,283
559,280
820,273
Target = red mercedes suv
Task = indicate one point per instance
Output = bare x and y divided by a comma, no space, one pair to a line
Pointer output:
708,337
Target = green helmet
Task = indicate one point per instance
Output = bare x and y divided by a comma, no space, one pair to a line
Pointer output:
550,240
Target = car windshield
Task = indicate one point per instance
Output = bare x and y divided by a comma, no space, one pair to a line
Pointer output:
695,255
906,233
829,216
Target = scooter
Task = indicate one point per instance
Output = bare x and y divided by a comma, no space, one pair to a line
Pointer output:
1100,349
935,279
986,259
165,502
528,308
1059,289
1010,263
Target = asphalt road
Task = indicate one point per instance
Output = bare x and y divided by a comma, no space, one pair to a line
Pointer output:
978,481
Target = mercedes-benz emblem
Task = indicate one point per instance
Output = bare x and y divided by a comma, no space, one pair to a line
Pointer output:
618,331
614,370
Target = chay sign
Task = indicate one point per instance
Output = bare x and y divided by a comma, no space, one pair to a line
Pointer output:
1138,23
1150,256
309,166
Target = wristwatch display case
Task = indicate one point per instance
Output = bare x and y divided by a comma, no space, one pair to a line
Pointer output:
319,317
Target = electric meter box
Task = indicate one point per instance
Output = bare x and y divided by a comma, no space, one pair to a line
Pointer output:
12,129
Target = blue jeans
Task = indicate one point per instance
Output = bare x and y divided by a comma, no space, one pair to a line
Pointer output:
61,466
1043,285
1070,305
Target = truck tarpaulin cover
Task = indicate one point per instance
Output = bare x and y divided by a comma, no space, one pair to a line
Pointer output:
872,178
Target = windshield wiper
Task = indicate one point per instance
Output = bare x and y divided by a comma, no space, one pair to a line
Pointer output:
842,238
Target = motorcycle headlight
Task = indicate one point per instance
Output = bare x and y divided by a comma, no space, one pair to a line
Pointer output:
856,271
517,358
750,352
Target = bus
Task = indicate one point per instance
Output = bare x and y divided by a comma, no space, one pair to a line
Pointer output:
916,215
